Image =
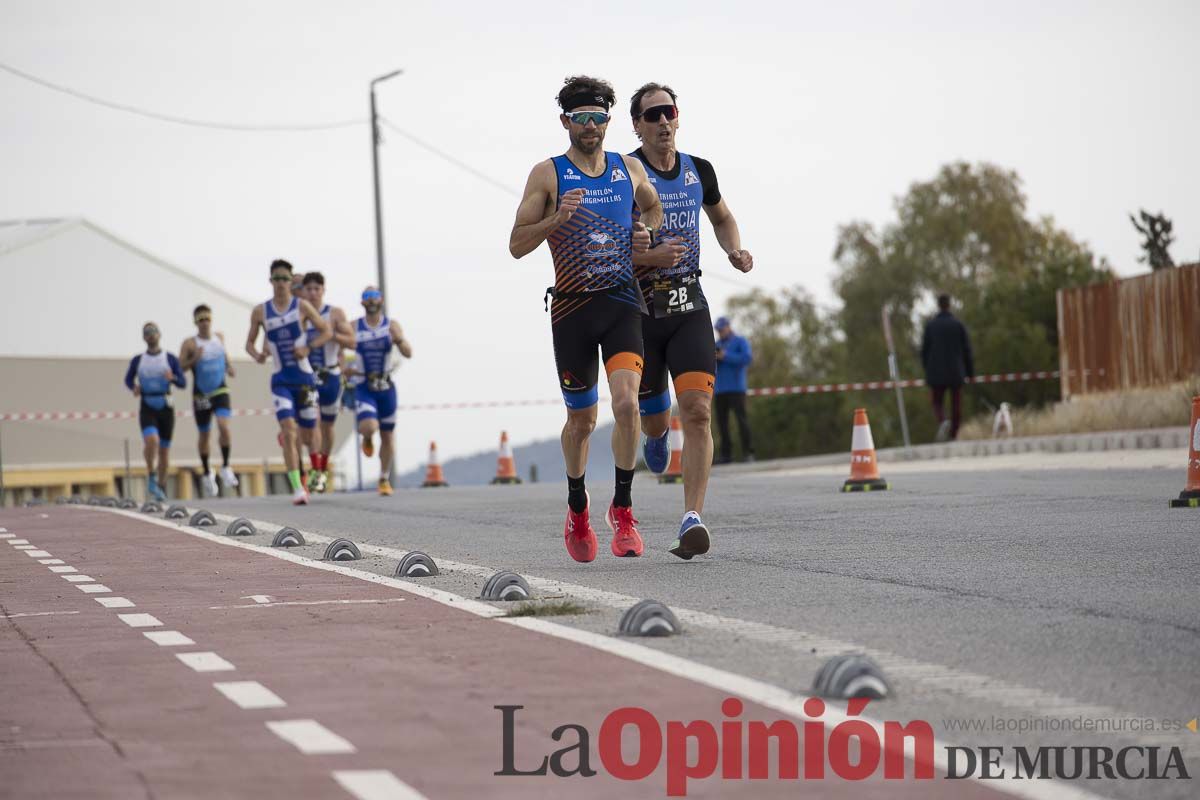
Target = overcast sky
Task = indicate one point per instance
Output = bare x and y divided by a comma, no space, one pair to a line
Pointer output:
814,114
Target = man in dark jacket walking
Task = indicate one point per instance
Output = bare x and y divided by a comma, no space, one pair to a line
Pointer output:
946,354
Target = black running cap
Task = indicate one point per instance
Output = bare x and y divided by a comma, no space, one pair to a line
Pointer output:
581,99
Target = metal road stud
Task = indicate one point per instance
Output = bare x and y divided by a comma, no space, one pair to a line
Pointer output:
152,507
287,537
127,503
342,550
241,527
109,502
851,675
506,586
649,618
176,512
202,519
75,500
62,499
416,565
93,501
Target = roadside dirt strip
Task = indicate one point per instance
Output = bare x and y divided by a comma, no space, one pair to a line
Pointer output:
139,659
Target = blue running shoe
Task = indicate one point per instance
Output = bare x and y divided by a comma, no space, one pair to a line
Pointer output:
693,538
153,489
657,453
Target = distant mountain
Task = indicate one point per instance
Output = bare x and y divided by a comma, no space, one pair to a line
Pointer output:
545,454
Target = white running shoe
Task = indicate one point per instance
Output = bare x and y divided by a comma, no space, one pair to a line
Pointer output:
300,497
228,477
209,482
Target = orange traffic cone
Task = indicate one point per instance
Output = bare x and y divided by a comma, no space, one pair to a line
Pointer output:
1190,496
864,469
506,466
433,473
674,473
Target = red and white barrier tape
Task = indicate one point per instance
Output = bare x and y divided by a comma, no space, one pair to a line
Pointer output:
816,388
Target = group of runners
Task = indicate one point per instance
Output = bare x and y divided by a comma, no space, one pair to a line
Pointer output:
321,362
624,235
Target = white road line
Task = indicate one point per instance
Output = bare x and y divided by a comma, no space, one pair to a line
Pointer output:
92,588
311,603
78,579
8,536
250,695
310,737
115,602
36,614
139,620
15,542
670,664
49,561
62,569
375,784
168,638
38,554
258,598
205,662
25,546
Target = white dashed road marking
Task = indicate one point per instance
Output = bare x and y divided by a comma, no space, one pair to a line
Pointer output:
310,603
168,638
36,614
310,737
115,602
139,620
49,561
205,662
37,554
79,579
250,695
25,546
17,542
92,588
62,570
375,784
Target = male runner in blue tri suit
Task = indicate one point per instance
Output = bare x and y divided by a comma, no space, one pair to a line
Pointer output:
326,362
677,328
582,203
149,377
293,386
371,379
204,354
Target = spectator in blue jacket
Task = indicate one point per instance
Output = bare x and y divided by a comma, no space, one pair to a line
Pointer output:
150,377
733,358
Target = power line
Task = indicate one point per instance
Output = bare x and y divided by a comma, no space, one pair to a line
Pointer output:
195,123
442,154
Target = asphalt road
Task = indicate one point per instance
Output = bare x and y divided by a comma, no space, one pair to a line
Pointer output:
1041,597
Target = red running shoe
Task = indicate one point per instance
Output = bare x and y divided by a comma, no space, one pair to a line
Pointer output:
579,536
627,542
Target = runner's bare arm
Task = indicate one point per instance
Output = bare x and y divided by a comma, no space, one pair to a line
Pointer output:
256,319
343,334
229,370
187,354
324,334
728,236
536,216
398,338
645,194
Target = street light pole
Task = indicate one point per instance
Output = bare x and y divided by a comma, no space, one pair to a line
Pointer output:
375,171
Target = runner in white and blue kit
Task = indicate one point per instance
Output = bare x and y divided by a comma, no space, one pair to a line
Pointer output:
327,364
677,328
150,377
204,354
283,319
374,391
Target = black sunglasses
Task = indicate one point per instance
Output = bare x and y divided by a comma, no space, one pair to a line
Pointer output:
655,113
281,279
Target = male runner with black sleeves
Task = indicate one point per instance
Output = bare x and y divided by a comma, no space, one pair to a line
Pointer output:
582,204
677,328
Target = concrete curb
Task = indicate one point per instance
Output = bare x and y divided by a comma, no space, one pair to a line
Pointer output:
1146,439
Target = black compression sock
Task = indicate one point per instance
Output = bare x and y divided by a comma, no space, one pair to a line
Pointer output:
623,496
204,462
576,494
225,455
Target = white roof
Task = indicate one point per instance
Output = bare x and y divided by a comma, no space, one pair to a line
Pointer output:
72,288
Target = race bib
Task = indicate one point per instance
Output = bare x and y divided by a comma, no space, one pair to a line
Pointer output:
378,383
677,295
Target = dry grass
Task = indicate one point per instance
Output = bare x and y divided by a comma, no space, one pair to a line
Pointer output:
1162,407
547,608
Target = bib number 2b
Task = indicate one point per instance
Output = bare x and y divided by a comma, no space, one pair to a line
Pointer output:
674,296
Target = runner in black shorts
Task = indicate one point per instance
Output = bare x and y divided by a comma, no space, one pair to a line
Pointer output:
150,377
677,329
582,203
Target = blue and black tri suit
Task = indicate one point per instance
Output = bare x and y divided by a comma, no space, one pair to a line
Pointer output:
293,385
677,329
156,416
324,361
596,299
374,392
210,393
